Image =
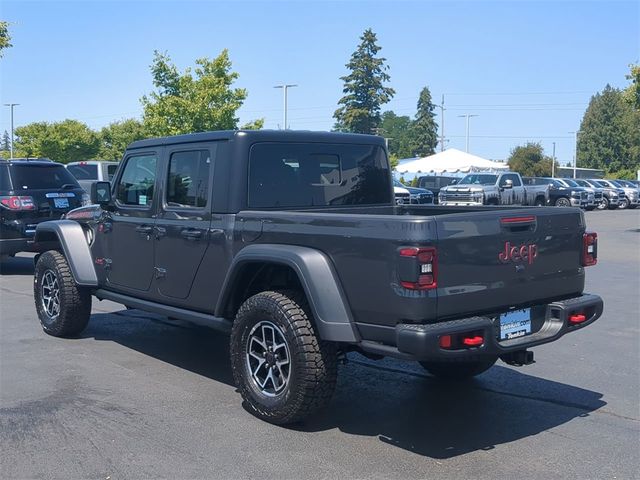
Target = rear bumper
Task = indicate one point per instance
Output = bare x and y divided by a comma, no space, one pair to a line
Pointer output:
421,342
16,245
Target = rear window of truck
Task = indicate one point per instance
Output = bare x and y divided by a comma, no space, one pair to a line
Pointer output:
84,172
317,174
41,177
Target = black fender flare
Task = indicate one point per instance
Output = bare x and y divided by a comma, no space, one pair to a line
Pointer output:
318,278
73,242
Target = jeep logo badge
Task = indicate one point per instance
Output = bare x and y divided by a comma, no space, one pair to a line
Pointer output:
518,253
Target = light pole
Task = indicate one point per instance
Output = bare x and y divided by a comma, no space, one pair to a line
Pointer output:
575,156
553,161
11,105
442,109
467,116
284,88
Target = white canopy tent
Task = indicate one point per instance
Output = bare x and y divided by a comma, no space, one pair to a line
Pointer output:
450,161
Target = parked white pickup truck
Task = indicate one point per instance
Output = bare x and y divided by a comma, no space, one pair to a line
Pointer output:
91,171
493,189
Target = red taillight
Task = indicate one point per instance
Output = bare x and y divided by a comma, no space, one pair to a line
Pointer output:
419,268
15,202
589,249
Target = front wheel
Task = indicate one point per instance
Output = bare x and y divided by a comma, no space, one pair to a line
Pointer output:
458,370
283,370
624,204
63,307
604,204
563,202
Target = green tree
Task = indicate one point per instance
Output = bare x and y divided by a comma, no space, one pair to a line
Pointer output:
66,141
609,136
632,92
397,130
529,160
364,90
5,143
115,137
253,125
5,37
186,103
424,130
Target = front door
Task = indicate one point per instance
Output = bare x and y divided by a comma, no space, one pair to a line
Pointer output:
182,228
129,234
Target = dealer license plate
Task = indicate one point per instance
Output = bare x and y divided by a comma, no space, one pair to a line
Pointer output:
515,324
61,202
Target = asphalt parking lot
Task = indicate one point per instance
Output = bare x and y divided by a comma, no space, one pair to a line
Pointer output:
138,397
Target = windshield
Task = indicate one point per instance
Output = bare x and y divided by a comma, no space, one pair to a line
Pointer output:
570,182
476,179
616,183
397,183
627,184
602,183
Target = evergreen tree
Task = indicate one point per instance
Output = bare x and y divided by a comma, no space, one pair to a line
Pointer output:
609,136
424,128
5,143
364,89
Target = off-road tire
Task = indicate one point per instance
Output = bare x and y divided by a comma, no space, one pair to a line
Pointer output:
458,370
313,362
74,301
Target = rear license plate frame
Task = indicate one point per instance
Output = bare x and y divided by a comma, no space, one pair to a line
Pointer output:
515,324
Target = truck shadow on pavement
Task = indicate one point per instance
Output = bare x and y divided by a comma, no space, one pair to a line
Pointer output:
405,407
397,402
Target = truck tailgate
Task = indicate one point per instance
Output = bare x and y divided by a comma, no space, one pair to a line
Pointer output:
489,262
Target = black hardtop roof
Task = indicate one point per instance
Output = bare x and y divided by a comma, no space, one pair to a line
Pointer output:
262,136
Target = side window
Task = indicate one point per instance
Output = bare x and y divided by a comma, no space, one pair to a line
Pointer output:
137,181
188,179
509,176
111,171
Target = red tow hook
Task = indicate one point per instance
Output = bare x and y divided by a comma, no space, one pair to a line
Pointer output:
577,318
473,341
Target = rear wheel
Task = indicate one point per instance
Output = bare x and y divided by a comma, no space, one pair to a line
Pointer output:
540,202
458,370
283,370
63,307
563,202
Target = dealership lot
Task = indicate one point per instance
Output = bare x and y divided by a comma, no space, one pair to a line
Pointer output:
137,396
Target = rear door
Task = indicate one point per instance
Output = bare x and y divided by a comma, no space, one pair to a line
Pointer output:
489,261
182,227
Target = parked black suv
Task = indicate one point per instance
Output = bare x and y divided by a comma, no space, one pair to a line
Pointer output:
32,191
435,183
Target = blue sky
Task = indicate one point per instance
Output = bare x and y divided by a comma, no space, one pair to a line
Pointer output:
527,69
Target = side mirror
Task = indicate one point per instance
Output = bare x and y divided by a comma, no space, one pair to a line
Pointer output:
508,184
101,193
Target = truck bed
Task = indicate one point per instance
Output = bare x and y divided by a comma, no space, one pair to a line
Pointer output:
363,244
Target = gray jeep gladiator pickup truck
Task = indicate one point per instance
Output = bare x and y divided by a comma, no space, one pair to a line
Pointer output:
292,243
